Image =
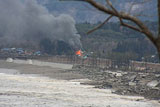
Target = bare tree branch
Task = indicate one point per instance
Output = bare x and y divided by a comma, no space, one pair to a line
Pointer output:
121,15
110,4
125,16
141,27
130,26
99,26
121,21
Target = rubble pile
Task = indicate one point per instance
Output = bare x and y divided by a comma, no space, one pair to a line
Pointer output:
145,84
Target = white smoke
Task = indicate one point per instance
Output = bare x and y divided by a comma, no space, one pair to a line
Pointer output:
26,21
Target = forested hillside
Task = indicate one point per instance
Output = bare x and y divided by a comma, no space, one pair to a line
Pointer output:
116,42
82,12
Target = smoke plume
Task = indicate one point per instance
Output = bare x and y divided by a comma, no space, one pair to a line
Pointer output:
27,22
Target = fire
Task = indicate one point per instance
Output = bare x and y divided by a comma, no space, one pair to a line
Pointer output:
79,53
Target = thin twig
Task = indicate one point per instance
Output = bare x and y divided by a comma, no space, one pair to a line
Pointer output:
99,26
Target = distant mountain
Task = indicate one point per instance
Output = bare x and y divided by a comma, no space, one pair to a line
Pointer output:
83,12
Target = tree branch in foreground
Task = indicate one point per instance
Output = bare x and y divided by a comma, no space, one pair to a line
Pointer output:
121,15
99,26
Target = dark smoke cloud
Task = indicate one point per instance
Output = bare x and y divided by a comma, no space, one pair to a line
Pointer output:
26,21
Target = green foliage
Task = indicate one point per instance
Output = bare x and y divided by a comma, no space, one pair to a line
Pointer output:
116,42
55,47
63,48
47,46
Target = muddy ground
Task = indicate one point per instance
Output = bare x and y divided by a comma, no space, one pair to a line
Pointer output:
146,84
56,85
56,71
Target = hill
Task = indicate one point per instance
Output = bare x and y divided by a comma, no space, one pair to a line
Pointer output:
116,42
84,12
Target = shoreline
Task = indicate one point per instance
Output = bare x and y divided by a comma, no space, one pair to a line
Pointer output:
51,70
68,87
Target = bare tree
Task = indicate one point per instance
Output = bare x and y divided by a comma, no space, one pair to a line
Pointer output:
127,16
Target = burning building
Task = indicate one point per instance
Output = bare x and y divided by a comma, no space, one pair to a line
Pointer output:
79,53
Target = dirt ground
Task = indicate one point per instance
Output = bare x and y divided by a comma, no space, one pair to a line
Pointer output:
48,85
52,70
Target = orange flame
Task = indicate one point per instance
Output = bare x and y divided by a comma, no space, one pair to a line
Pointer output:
79,52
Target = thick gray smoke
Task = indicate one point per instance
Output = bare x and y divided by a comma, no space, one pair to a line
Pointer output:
26,21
